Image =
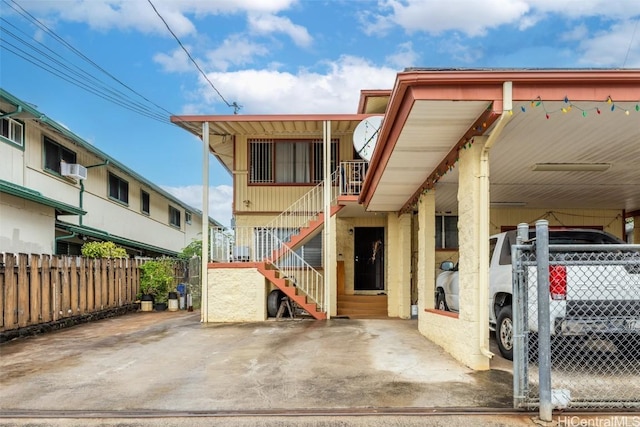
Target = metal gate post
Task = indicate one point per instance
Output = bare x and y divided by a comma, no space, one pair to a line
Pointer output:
544,327
520,361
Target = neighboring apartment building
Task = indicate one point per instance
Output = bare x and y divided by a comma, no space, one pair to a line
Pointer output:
563,146
57,191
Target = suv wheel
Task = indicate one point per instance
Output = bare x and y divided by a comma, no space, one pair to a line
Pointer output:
504,332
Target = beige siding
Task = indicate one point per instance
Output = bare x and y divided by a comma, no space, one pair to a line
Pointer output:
239,295
103,213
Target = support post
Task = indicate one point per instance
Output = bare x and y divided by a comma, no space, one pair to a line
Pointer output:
544,327
327,215
204,259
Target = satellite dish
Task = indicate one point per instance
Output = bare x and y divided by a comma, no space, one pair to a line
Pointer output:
365,136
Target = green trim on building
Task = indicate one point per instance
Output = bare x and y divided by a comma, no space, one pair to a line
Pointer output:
35,196
106,236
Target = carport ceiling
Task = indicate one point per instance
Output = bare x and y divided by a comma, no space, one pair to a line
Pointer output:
434,127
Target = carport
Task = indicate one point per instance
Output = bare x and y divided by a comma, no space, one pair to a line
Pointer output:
500,147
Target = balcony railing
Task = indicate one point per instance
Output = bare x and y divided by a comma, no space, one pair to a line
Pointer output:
352,174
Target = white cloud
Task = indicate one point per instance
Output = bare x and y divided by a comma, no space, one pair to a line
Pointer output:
175,62
474,18
277,92
611,48
220,199
138,14
236,50
435,16
404,57
268,24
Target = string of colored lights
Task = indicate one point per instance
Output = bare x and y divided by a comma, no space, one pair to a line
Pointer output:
569,106
609,105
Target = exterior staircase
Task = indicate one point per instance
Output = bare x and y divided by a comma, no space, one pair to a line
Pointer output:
273,250
287,285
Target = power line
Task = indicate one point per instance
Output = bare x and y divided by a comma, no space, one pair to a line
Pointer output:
633,36
233,105
78,76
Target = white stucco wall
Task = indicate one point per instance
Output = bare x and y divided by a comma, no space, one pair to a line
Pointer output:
237,295
25,226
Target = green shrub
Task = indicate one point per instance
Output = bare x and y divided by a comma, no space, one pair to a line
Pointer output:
156,278
103,250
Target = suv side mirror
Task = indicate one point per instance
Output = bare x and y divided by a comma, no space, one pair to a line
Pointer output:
447,266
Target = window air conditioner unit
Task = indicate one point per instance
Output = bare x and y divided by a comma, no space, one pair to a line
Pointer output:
73,170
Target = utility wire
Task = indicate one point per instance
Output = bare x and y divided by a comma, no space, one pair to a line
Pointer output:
65,72
108,93
633,36
233,105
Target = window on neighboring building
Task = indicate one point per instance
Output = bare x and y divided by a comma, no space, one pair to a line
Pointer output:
55,153
288,161
66,248
446,232
174,216
118,189
144,202
187,217
12,130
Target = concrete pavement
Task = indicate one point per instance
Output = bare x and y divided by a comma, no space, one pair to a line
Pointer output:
169,363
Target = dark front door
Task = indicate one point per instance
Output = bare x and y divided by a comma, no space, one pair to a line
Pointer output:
369,259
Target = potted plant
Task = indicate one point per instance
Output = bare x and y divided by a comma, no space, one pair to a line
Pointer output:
156,277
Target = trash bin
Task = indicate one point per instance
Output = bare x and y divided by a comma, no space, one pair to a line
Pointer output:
146,303
173,301
182,295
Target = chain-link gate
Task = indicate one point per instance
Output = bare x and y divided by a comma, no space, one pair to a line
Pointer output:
594,321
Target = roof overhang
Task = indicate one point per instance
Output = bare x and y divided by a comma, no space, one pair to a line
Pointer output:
34,196
433,114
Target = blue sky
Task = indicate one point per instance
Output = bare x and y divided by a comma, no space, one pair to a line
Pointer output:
275,57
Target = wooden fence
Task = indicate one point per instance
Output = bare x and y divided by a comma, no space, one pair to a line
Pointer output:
38,289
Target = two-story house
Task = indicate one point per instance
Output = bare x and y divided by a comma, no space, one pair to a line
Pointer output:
58,191
459,155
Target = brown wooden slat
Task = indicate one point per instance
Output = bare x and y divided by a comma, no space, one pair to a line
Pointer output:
104,282
82,286
91,286
23,290
35,290
55,289
65,287
46,310
75,300
10,302
111,272
97,277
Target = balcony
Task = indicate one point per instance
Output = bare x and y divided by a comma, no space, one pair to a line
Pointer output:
352,174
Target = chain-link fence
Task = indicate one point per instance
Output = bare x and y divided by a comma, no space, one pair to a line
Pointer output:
593,315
